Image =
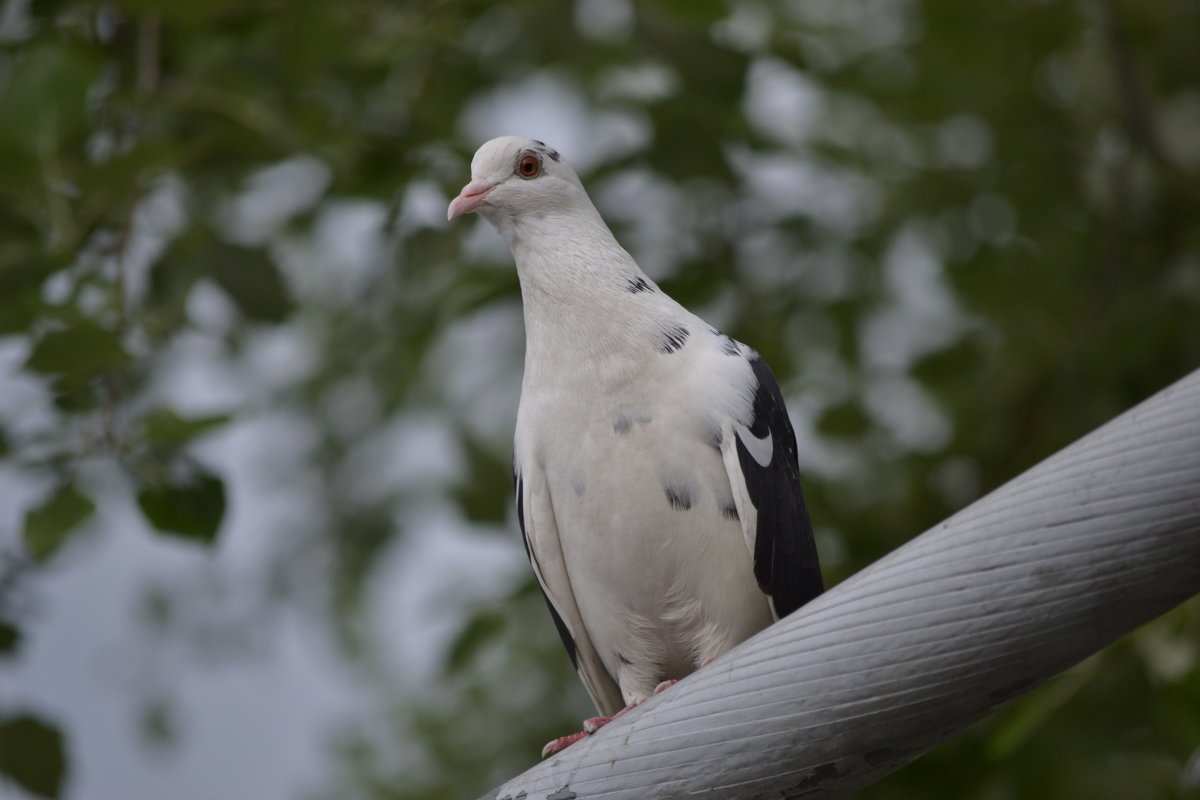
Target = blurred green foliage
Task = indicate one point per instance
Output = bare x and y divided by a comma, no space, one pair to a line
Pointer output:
48,526
32,755
995,252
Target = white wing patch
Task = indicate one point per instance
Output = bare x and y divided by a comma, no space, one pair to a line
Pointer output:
761,450
747,513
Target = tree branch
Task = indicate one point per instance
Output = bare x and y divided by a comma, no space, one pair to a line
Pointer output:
1055,565
1136,109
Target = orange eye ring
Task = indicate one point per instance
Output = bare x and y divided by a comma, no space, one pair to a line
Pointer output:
529,166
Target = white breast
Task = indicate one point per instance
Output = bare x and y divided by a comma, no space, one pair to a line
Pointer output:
657,560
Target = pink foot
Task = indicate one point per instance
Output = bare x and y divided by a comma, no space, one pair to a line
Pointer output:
562,743
590,726
593,724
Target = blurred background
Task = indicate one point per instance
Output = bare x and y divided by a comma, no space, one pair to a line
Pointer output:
257,398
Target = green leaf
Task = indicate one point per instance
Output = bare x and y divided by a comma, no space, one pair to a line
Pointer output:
165,428
44,101
963,357
191,510
250,278
845,420
481,629
10,639
32,755
78,352
179,11
21,276
704,12
48,526
486,493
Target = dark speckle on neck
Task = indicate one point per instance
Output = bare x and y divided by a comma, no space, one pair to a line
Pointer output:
673,338
729,345
638,284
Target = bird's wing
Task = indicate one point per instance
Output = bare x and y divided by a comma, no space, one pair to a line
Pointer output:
765,477
535,513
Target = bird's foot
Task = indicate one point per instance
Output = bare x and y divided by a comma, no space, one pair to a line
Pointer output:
590,726
562,743
593,724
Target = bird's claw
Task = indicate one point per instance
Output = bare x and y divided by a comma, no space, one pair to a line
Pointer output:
593,724
590,726
562,743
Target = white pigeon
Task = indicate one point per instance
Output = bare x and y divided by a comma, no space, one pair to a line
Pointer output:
657,484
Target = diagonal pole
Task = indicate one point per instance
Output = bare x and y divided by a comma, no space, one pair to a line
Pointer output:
1078,551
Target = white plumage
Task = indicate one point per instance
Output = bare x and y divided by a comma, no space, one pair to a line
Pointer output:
656,472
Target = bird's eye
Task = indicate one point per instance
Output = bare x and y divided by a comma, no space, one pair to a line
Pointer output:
529,166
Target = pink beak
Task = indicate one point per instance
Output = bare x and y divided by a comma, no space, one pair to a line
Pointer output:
470,198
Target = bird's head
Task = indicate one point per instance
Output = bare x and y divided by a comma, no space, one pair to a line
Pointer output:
514,177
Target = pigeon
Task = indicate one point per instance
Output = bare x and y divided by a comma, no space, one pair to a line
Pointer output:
657,481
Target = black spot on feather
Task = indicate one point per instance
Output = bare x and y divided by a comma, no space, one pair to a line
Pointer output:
680,497
729,346
623,422
547,149
623,660
730,512
638,284
673,339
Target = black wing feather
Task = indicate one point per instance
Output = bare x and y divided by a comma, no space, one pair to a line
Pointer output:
567,640
785,556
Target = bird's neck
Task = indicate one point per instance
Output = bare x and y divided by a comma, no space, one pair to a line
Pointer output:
580,312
